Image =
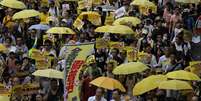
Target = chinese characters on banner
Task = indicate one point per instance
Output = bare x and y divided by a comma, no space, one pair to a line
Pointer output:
75,60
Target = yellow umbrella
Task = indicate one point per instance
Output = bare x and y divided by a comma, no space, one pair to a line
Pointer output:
108,83
130,68
2,48
26,14
103,29
195,67
4,98
93,17
60,30
49,73
194,63
144,5
175,85
141,3
13,4
182,75
148,84
188,1
124,20
118,29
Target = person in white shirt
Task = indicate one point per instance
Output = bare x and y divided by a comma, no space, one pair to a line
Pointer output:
148,25
53,10
98,96
164,58
9,46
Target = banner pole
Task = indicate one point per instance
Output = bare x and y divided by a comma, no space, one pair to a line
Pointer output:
65,78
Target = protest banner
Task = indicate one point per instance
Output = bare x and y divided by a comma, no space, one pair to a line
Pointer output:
78,23
120,12
118,45
102,43
131,54
75,59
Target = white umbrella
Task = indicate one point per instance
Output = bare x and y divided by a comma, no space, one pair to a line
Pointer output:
39,27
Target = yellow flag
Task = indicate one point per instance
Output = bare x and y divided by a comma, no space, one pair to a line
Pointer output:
97,2
78,24
101,43
119,45
131,54
109,19
81,4
42,64
48,37
89,3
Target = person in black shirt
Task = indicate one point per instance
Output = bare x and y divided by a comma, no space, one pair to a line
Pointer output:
101,58
55,92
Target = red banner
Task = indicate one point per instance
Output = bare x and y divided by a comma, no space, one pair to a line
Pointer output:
72,74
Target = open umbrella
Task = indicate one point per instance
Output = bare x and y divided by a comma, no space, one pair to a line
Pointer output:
2,48
130,68
108,83
26,14
125,20
39,27
194,63
144,5
148,84
188,1
49,73
195,67
4,98
13,4
182,75
93,17
175,85
60,30
118,29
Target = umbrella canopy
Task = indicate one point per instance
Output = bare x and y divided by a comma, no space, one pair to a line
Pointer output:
13,4
60,30
4,98
26,14
93,17
108,83
188,1
118,29
2,48
49,73
39,27
195,67
145,3
1,85
130,68
182,75
125,20
192,63
175,85
148,84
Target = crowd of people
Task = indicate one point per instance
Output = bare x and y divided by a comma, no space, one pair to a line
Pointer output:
168,36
